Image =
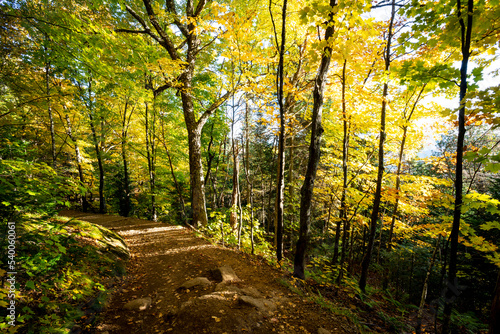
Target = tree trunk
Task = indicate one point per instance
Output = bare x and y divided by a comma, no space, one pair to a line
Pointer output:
177,186
314,152
236,185
150,154
400,163
246,164
85,204
345,159
102,203
127,203
51,116
280,182
466,32
424,289
196,178
378,191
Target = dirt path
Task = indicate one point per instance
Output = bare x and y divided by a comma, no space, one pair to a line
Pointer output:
165,257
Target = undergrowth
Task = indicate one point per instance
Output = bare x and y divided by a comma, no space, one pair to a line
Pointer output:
62,264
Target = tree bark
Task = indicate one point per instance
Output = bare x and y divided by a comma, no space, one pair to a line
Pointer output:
126,178
236,185
398,172
378,191
102,202
314,152
466,33
51,116
150,154
172,172
280,175
85,205
343,198
246,164
424,288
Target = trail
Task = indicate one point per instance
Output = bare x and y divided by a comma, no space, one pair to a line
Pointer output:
164,257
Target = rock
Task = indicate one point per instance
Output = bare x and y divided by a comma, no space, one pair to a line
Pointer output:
226,274
252,292
139,304
323,331
261,304
225,287
198,281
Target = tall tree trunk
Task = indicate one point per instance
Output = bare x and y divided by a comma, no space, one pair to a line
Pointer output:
400,163
424,288
466,33
247,166
314,152
150,154
51,116
85,204
177,186
378,191
345,159
280,182
199,207
236,185
291,183
127,206
102,202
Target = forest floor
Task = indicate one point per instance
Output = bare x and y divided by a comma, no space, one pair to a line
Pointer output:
165,257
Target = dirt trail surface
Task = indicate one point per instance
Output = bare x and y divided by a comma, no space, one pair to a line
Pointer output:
244,296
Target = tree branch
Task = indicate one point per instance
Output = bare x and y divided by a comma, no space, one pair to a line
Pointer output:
172,9
199,7
165,40
143,24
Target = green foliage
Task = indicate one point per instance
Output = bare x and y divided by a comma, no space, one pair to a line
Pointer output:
219,230
61,264
467,323
33,187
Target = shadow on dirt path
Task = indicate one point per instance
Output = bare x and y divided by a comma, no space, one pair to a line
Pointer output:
164,257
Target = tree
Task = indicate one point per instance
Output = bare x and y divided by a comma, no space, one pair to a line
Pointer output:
280,176
380,174
187,58
314,147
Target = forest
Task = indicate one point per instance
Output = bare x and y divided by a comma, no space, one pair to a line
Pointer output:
353,144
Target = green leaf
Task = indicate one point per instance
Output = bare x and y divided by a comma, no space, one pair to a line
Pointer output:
490,225
30,285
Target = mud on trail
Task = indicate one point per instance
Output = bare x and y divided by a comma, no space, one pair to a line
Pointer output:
164,258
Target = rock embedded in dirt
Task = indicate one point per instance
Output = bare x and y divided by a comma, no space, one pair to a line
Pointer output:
323,331
225,287
261,304
139,304
198,281
226,274
252,292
